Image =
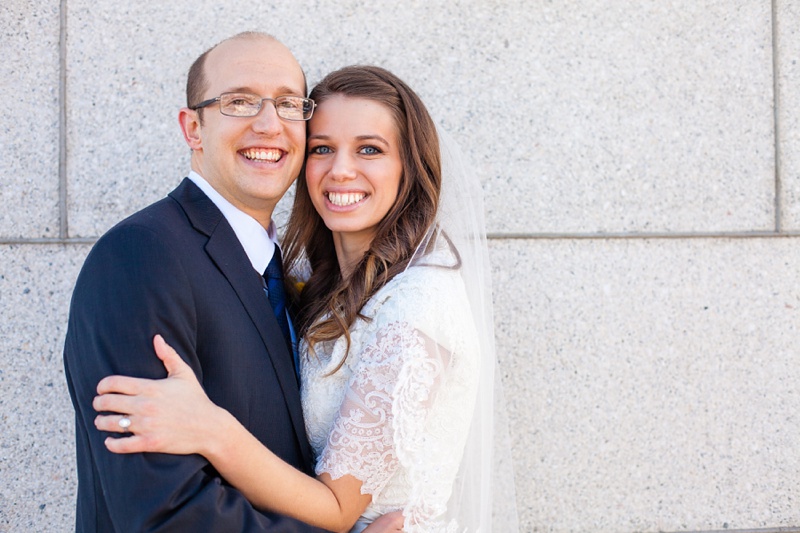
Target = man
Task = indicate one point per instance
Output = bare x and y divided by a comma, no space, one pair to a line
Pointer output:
189,268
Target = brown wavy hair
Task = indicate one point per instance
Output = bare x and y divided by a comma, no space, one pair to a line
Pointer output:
328,304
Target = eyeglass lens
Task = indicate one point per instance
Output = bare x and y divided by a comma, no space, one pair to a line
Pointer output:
248,105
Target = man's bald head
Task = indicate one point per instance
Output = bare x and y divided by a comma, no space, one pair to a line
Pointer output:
197,80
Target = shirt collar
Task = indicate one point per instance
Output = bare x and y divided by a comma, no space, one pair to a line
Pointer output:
258,243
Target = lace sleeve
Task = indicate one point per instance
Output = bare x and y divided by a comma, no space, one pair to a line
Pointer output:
406,412
362,441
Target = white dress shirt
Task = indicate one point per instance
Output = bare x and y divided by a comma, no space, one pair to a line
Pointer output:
258,243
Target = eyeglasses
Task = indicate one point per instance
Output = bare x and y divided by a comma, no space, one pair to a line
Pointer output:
249,105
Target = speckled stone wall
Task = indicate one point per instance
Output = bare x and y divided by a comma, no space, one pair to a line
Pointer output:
641,165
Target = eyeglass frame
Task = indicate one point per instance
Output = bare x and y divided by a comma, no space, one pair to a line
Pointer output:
206,103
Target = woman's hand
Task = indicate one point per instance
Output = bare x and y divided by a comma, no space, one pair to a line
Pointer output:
171,415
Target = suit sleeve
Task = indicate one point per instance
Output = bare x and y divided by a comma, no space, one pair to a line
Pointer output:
132,286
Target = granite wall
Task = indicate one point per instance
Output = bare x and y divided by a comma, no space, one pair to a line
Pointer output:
641,165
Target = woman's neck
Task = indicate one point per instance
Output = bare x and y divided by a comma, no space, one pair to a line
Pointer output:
350,249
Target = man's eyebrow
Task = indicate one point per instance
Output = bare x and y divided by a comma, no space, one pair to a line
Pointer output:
283,90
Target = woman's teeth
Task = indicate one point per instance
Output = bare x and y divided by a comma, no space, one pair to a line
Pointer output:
346,198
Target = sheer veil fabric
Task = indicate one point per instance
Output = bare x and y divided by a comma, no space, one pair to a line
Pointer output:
415,412
484,497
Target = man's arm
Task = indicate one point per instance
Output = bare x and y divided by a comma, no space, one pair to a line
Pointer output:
133,286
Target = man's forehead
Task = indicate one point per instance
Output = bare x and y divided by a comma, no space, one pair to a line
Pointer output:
253,50
241,63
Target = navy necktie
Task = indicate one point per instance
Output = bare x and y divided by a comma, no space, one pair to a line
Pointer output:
277,295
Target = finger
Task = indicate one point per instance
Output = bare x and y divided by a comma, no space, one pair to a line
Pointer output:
132,444
121,385
172,361
111,423
115,403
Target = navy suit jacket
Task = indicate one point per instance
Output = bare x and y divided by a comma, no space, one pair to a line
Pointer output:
176,268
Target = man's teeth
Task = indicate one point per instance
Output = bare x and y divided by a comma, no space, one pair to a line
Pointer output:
259,154
346,198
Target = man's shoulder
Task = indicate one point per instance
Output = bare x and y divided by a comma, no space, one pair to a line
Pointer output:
165,216
163,224
153,214
160,218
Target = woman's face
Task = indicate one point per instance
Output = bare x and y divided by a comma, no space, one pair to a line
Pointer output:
354,167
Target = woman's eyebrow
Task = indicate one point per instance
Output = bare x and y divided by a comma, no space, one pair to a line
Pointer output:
375,137
372,137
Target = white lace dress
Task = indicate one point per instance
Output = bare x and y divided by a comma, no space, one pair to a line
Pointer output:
397,414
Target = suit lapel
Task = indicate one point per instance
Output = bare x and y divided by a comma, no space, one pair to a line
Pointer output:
226,252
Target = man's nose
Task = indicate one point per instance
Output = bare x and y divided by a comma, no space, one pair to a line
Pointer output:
267,119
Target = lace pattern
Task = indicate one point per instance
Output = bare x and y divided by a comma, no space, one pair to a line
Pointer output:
396,415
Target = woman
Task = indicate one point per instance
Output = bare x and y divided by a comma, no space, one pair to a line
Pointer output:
395,322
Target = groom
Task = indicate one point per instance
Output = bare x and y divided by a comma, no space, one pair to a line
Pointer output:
188,267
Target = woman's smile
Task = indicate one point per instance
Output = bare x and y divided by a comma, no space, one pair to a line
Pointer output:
345,199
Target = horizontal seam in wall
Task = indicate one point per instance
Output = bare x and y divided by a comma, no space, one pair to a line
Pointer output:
499,236
88,240
764,530
633,235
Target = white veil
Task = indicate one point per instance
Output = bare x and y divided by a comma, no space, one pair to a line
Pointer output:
483,498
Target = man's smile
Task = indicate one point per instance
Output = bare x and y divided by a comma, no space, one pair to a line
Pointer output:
265,155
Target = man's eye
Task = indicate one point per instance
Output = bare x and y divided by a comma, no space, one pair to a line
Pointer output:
243,100
290,104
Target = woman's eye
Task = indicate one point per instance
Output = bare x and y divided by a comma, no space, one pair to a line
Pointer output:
370,150
321,150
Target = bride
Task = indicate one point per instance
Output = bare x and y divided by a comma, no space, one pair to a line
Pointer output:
397,355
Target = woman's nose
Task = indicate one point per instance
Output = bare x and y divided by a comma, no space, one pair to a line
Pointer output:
343,167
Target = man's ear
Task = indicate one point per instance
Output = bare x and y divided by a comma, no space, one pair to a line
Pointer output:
191,128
